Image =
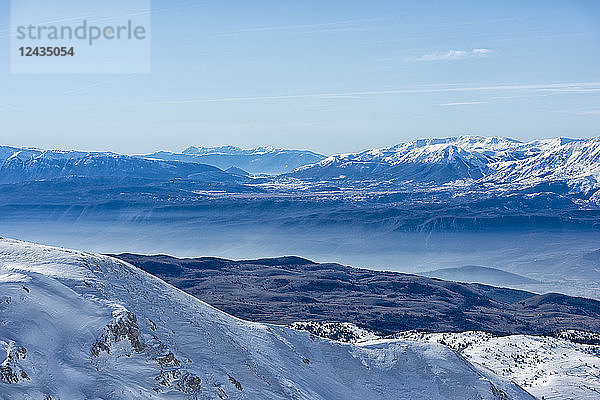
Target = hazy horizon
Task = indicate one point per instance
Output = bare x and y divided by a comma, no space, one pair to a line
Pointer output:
168,148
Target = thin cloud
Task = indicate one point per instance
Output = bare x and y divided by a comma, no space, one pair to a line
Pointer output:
450,88
99,83
91,18
345,25
582,112
447,89
8,106
462,103
452,55
572,90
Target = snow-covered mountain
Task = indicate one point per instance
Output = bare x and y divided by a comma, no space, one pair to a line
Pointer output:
424,160
575,161
260,160
26,153
78,325
465,161
469,159
24,164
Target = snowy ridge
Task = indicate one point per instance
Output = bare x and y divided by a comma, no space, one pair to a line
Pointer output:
464,157
464,161
578,336
26,165
30,153
232,150
547,367
564,367
471,159
576,161
80,325
38,162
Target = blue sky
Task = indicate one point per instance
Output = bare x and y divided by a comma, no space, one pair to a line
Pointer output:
331,76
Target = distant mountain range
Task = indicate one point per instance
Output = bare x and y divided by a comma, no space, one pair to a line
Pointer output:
26,165
469,160
356,208
457,183
561,166
261,160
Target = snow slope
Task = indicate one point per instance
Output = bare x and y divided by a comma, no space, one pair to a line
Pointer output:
547,367
563,367
576,161
77,325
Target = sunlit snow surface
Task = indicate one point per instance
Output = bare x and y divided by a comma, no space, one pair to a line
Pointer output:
76,325
548,367
558,368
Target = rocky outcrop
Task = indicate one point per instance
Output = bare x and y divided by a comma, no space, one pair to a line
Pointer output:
10,370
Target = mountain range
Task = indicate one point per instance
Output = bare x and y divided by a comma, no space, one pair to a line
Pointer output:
560,165
29,165
470,160
260,160
526,208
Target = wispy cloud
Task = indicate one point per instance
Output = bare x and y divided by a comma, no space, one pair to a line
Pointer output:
99,83
452,55
462,103
9,106
573,89
582,112
522,89
335,26
93,18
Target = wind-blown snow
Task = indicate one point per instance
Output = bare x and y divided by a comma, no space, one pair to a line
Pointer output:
79,325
